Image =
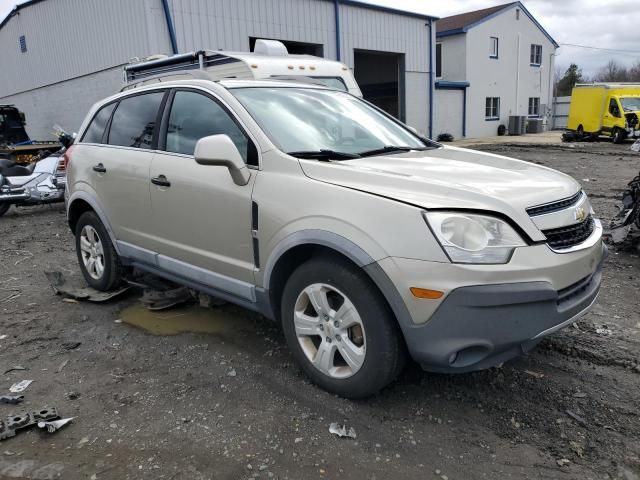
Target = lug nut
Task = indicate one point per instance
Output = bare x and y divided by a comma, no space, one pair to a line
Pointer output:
328,339
321,327
336,324
338,338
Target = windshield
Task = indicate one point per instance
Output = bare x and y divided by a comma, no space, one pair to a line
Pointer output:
306,120
630,104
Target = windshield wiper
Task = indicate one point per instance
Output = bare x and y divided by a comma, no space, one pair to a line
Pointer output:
324,154
390,149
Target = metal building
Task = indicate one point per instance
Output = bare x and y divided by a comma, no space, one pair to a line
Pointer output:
60,56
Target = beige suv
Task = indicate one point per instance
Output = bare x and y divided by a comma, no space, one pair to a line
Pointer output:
316,209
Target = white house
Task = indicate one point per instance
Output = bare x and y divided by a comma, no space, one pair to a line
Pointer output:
490,64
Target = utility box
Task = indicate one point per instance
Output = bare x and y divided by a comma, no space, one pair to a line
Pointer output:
517,124
535,125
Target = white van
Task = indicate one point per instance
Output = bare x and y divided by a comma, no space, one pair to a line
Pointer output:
269,60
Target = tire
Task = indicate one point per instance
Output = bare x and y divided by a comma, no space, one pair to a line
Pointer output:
4,208
580,131
106,271
368,333
619,135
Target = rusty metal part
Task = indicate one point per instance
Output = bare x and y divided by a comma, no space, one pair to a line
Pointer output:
19,421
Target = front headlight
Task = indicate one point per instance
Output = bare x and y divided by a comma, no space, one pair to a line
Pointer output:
470,238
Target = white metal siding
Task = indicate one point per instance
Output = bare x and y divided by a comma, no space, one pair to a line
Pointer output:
70,38
228,24
363,28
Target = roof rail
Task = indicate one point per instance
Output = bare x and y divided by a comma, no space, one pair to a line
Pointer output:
197,74
199,59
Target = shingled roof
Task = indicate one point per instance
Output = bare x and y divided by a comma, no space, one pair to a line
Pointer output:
462,22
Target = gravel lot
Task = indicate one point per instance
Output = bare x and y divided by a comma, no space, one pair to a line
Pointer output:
228,402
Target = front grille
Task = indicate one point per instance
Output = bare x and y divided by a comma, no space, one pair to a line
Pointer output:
566,237
554,206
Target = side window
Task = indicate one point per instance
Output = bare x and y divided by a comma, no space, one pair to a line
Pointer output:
194,116
95,131
134,120
613,108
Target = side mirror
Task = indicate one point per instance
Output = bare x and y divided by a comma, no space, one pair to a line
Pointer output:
220,150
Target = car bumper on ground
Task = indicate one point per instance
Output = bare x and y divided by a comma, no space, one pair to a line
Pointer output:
480,324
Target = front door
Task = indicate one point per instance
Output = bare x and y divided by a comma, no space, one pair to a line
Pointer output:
612,116
200,217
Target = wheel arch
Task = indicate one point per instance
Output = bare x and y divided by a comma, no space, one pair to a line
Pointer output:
81,202
298,247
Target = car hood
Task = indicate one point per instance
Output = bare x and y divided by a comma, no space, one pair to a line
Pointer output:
451,177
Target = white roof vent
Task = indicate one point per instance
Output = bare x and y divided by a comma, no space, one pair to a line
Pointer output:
273,48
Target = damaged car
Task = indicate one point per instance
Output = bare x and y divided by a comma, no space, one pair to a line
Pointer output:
369,243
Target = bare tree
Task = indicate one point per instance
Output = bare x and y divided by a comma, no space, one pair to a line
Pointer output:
612,72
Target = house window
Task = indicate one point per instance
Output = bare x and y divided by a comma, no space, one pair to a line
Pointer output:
534,106
438,60
492,108
493,47
22,40
536,55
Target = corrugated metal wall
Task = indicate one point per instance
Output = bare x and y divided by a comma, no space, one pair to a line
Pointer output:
367,29
228,24
88,40
69,38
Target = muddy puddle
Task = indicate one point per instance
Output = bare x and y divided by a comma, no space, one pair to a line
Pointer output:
225,320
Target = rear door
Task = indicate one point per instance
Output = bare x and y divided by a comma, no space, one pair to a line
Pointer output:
199,215
121,167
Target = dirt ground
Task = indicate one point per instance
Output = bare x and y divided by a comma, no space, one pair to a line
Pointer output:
228,402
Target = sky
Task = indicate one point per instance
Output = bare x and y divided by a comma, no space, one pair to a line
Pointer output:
607,25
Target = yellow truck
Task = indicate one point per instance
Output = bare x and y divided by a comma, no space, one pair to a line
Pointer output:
605,109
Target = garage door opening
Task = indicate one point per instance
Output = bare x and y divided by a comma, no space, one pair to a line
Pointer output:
381,79
295,48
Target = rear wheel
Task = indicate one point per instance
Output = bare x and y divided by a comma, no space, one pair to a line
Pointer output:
340,329
98,259
4,208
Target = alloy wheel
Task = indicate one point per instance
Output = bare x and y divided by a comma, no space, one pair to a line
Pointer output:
329,330
92,252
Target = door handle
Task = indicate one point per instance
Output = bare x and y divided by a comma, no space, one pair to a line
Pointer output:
161,181
99,168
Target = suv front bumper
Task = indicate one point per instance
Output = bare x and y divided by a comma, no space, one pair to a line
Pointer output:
481,324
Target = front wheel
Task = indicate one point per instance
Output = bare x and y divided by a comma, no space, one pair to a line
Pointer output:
340,329
619,135
99,262
4,208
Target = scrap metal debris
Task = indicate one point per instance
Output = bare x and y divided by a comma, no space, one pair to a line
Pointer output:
55,425
160,294
14,368
11,399
11,424
20,386
341,430
628,218
61,287
577,418
162,299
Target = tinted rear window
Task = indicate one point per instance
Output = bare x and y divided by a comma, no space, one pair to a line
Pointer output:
98,124
134,120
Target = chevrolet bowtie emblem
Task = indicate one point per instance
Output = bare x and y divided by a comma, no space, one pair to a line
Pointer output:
580,214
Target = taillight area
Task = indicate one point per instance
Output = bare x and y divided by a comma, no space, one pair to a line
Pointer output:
66,159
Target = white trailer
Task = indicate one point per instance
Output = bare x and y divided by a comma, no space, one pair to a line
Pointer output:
269,60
